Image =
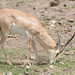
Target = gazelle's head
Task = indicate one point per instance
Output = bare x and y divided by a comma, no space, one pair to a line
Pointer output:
59,49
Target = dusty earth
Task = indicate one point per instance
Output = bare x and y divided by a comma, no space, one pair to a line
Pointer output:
63,14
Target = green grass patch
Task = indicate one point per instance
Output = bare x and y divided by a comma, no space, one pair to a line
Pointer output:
63,18
20,2
68,49
60,9
16,70
73,6
69,23
53,17
0,4
56,73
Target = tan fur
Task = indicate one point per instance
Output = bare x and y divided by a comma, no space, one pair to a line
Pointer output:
28,23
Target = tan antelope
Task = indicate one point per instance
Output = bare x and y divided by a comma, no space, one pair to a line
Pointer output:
16,22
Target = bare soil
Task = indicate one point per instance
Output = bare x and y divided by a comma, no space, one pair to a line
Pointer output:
64,14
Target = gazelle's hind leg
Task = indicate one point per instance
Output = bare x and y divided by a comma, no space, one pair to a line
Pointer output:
29,38
4,33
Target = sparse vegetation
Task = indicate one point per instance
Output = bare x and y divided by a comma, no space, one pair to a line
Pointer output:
16,48
68,23
20,2
68,49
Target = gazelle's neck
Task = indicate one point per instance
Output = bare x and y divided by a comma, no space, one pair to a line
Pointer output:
45,40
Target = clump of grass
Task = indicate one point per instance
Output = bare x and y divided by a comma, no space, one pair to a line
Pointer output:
73,6
58,22
53,17
0,4
68,49
60,9
69,23
63,18
56,73
20,2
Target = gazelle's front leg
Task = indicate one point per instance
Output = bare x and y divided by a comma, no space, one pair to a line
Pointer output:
30,41
2,47
34,48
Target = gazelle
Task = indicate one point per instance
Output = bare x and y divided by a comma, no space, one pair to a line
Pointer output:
14,19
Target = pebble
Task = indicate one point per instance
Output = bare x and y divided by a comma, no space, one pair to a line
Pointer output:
9,73
51,66
53,21
26,73
65,5
61,63
33,8
28,67
24,61
71,20
67,53
32,57
36,70
52,25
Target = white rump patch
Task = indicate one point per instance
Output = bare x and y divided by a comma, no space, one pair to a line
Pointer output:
16,30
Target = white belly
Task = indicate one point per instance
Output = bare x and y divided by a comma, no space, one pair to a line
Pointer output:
16,30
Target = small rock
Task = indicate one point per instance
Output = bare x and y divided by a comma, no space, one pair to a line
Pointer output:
71,20
21,66
65,29
17,5
26,73
32,57
60,23
67,53
46,8
74,52
52,25
69,30
46,70
28,67
64,69
36,70
73,14
53,21
72,0
61,63
51,66
42,11
70,25
43,14
12,36
46,18
34,8
9,73
65,5
54,3
24,61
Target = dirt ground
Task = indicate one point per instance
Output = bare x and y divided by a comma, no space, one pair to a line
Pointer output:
63,14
